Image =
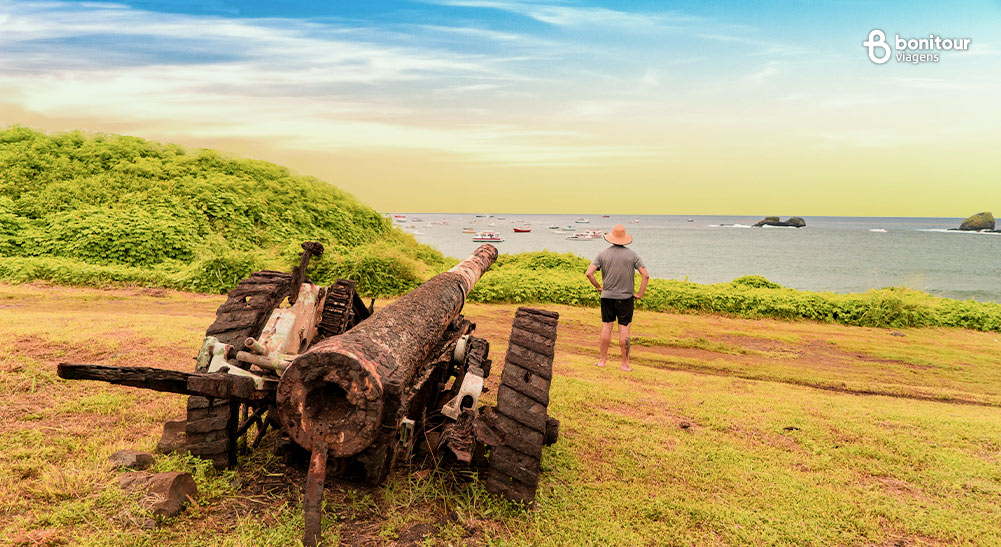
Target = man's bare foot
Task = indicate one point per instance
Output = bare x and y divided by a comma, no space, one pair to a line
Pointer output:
626,368
599,364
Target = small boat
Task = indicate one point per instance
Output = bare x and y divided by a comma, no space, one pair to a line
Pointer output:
554,227
418,233
501,218
469,231
691,220
635,221
880,230
522,229
400,218
418,219
582,220
488,236
444,222
481,216
604,216
587,235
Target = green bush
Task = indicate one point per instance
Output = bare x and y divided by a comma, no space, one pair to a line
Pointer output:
755,282
379,270
66,271
543,260
219,273
197,218
750,297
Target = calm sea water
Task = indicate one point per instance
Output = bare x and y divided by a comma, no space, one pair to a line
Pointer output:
837,254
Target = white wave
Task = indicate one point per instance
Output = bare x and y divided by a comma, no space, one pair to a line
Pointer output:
948,231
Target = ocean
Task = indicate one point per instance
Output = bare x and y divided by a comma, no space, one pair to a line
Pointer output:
838,254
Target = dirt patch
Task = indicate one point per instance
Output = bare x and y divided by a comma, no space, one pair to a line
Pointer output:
751,342
39,348
687,353
38,538
758,438
899,488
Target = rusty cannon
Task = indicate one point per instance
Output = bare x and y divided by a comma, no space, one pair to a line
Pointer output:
351,390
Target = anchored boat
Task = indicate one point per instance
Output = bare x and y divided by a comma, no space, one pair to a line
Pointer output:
488,236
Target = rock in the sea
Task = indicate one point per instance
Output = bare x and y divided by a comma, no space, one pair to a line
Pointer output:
795,222
131,459
166,493
979,221
173,437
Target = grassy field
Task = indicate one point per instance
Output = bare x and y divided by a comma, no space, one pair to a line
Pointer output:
729,432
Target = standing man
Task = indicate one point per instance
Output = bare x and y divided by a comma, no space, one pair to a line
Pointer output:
617,264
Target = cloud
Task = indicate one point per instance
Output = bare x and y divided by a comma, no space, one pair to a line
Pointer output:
756,46
307,85
567,16
766,72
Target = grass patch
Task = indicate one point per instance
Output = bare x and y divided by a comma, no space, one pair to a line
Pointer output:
683,451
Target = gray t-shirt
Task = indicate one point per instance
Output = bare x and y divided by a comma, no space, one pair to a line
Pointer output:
617,264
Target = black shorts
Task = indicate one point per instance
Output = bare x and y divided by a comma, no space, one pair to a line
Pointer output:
617,308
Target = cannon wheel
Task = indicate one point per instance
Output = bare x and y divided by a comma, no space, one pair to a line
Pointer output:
212,424
522,401
342,309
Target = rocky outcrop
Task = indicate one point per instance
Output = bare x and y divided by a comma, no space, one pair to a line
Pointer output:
794,222
131,459
166,493
977,222
173,438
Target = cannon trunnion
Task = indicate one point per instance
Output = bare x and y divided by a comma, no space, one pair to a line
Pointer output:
360,389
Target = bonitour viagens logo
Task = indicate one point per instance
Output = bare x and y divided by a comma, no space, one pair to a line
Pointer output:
911,50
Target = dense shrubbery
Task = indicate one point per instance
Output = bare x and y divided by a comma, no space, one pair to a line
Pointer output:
111,209
119,210
749,296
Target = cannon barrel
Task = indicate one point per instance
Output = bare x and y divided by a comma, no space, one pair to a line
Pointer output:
331,398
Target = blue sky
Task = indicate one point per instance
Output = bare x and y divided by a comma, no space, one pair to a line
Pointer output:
703,106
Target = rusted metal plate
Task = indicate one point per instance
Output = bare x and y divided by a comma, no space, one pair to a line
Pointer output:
312,502
289,330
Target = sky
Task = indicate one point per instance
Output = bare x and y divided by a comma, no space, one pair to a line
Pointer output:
629,107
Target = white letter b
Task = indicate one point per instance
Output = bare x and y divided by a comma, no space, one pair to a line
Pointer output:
877,39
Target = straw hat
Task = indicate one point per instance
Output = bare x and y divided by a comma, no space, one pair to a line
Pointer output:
618,236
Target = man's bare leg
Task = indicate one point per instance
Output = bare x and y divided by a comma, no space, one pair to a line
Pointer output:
624,346
606,339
